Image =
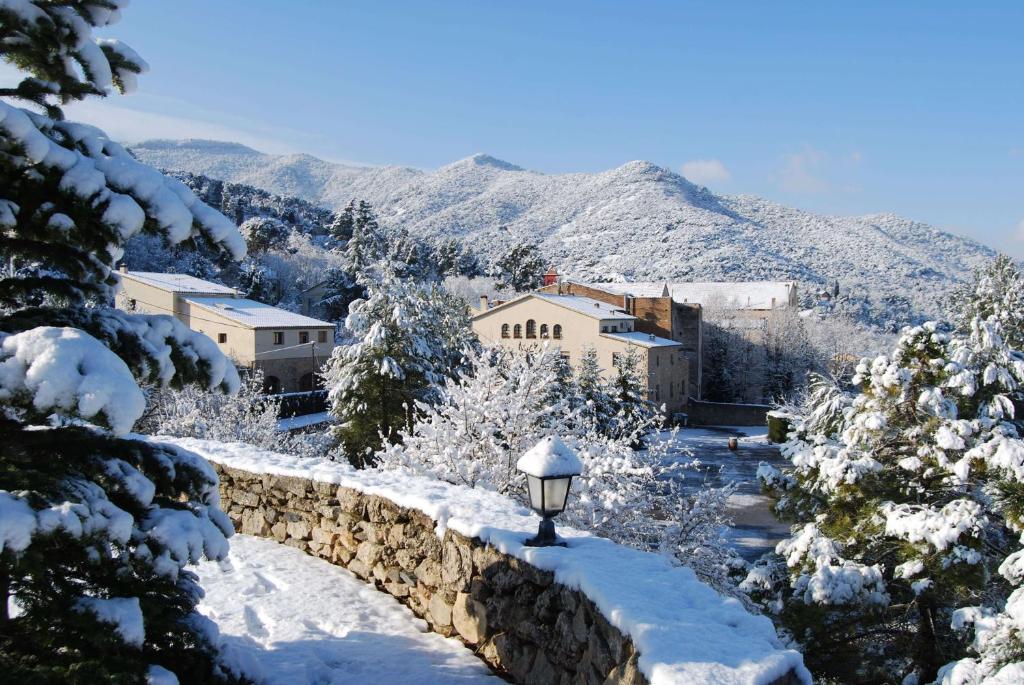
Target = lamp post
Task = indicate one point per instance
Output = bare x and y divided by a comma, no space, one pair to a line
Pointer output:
549,467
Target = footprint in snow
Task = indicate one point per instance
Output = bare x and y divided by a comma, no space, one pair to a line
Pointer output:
254,624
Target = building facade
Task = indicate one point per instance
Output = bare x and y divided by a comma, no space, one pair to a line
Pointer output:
656,313
575,324
289,348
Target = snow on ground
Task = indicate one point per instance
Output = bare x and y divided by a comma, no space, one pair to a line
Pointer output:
298,620
296,422
755,530
660,606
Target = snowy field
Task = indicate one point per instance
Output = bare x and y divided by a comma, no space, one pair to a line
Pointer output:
755,529
298,620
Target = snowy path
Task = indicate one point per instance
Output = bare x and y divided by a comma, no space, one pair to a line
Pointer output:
755,529
302,621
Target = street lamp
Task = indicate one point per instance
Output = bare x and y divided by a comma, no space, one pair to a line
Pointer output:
549,467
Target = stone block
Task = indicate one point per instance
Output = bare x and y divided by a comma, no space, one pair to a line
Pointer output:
300,530
440,611
279,530
469,618
369,553
429,573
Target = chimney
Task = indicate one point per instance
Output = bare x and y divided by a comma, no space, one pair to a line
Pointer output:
551,277
483,303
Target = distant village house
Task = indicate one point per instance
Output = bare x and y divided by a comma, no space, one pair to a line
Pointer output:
289,348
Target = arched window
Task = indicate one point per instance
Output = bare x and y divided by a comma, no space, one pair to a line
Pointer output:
531,328
543,330
517,331
504,330
271,385
557,331
306,383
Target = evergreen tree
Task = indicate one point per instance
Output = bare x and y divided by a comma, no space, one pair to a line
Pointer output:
998,291
408,338
97,529
342,226
909,503
262,233
521,268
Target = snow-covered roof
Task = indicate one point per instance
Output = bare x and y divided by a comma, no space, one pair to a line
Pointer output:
550,458
642,339
727,294
586,305
178,283
256,314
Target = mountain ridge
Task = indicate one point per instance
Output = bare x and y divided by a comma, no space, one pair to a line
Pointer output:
637,221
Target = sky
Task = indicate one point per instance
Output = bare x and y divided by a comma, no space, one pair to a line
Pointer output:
915,108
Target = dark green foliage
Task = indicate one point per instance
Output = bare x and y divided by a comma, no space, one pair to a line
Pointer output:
521,268
91,508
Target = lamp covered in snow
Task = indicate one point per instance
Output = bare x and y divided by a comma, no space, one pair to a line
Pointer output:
549,467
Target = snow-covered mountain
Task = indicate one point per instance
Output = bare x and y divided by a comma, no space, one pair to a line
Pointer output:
636,222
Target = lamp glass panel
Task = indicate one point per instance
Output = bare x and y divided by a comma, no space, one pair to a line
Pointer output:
534,487
555,492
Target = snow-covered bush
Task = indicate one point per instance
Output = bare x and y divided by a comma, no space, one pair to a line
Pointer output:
96,529
908,498
248,416
505,402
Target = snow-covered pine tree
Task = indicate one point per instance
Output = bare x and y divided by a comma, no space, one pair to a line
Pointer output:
997,290
96,530
908,498
261,233
408,338
520,268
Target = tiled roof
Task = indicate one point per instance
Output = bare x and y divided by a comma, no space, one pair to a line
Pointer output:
178,283
255,314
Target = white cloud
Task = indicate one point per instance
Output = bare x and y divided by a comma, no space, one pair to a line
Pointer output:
706,171
135,125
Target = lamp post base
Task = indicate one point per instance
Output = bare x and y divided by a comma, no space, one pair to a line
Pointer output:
545,536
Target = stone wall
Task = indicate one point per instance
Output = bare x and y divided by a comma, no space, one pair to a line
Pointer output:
727,414
516,617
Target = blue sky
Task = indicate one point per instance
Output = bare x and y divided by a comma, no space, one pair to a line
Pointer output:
915,108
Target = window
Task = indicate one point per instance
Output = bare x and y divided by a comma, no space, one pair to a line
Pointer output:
531,328
671,390
279,337
604,329
657,360
616,359
543,330
271,385
321,336
517,331
222,338
131,305
504,330
303,337
306,383
557,331
565,357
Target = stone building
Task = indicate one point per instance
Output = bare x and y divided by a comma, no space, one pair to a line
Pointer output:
733,315
289,348
656,313
575,324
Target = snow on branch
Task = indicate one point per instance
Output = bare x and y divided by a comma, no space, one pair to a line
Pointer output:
65,370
